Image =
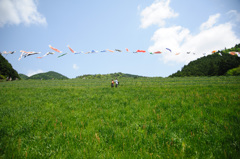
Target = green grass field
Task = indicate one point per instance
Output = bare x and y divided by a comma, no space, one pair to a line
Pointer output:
195,117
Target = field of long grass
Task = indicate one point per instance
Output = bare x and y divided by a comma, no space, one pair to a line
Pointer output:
194,117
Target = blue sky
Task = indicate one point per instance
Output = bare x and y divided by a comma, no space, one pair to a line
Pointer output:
196,26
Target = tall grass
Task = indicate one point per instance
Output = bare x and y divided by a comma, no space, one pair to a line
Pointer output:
195,117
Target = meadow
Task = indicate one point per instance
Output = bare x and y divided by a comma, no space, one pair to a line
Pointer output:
191,117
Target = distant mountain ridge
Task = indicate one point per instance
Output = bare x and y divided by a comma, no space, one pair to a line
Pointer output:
45,76
108,76
22,76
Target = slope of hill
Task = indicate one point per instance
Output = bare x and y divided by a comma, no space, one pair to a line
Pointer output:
6,69
108,76
48,75
216,64
23,76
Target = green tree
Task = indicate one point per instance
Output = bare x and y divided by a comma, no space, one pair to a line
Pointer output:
6,69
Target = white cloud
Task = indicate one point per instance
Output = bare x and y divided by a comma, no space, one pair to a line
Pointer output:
33,72
20,11
75,67
170,37
180,40
211,21
157,13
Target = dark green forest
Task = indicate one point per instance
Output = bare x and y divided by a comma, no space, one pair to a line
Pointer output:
6,69
216,64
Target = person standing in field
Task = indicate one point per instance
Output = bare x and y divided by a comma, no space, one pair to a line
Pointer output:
116,81
112,84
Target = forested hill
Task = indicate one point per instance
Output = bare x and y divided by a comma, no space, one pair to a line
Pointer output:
108,76
6,69
216,64
48,75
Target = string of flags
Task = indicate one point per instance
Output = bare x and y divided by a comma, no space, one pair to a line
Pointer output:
26,54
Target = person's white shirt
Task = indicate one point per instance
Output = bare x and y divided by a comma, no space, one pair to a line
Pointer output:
116,81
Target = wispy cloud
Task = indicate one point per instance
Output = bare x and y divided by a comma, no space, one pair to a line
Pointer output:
211,21
75,67
234,14
33,72
15,12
